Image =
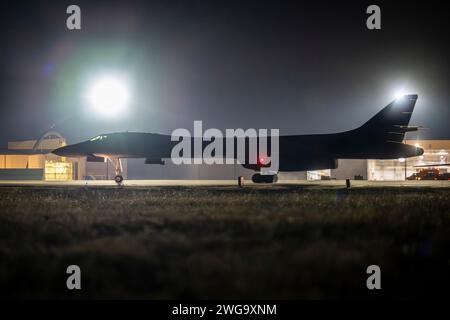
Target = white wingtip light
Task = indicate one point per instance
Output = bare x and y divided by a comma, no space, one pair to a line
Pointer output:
399,95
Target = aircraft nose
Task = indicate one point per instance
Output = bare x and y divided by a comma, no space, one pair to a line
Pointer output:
59,151
65,151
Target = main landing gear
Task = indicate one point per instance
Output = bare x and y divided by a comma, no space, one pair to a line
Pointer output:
264,178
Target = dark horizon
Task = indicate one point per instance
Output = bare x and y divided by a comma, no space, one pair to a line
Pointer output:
300,67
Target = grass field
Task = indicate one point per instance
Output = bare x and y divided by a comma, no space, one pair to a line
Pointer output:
282,241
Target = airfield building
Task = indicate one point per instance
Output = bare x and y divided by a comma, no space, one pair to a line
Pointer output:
33,160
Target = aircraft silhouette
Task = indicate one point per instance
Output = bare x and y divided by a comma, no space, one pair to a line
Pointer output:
379,138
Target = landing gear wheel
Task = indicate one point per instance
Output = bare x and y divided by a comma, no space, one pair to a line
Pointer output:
260,178
118,179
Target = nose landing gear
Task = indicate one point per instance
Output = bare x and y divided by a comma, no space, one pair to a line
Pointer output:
118,179
118,169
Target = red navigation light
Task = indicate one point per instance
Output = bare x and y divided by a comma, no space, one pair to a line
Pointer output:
262,161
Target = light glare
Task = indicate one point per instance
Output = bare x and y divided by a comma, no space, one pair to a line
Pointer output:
108,96
399,95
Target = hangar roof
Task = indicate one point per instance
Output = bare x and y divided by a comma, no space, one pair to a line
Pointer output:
24,151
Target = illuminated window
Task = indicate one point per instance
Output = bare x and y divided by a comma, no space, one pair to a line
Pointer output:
318,174
58,171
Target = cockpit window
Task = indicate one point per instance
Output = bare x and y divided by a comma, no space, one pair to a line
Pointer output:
99,138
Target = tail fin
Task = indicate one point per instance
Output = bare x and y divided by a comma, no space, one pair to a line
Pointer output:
391,123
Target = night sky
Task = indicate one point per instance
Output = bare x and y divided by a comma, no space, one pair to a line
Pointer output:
302,67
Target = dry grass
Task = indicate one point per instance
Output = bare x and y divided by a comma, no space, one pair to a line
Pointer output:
223,242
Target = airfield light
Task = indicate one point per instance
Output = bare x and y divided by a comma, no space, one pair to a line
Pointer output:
109,96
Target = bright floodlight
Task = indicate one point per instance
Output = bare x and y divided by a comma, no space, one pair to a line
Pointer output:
109,96
399,95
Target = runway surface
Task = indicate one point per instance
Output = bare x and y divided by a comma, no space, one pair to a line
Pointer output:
150,183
